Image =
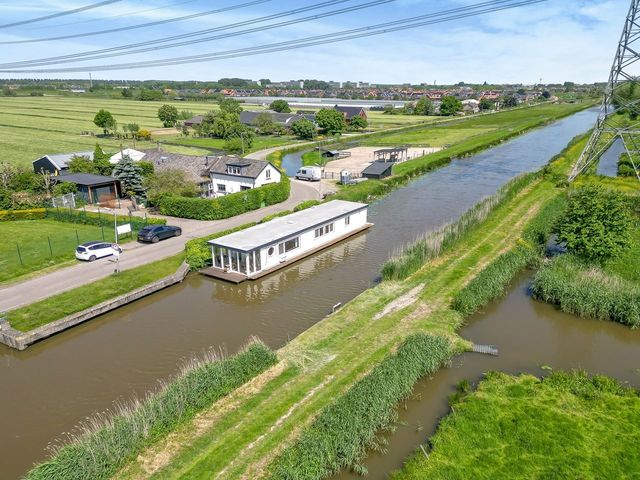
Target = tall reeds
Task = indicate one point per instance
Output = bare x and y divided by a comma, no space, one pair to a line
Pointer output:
434,243
105,442
339,435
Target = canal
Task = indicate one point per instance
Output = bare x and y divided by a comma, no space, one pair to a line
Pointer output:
50,387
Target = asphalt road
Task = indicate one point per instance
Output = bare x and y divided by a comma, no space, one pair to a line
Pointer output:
136,254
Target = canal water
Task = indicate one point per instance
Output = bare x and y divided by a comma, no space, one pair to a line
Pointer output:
529,335
608,163
50,387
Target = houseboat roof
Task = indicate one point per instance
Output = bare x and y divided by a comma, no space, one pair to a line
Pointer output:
285,227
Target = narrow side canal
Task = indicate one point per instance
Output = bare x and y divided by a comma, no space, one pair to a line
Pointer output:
50,387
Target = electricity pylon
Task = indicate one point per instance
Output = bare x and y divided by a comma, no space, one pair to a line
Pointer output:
618,98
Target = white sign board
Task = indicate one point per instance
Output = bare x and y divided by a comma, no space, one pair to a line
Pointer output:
122,229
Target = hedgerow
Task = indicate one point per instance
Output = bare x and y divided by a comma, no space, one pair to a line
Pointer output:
338,437
99,219
584,289
414,256
32,214
108,442
228,205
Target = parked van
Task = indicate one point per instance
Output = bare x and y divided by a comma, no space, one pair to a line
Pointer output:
313,174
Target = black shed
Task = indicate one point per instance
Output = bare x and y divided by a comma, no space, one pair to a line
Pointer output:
378,170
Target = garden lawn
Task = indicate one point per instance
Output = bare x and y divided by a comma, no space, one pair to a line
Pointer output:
565,426
259,142
32,238
66,303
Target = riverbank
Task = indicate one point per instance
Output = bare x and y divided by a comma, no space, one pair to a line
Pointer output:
340,349
567,425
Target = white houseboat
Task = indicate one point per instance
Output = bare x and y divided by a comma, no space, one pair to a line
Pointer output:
264,248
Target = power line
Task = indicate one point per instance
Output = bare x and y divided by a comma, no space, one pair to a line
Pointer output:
82,57
60,14
93,54
142,25
387,27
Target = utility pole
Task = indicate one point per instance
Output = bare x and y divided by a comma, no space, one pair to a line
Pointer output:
90,81
618,98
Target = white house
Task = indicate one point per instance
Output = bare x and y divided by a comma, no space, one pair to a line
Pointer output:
235,174
259,250
134,155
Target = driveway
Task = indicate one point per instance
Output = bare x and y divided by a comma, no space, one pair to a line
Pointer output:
136,254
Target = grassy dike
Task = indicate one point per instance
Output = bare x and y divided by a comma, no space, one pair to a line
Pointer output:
567,425
326,366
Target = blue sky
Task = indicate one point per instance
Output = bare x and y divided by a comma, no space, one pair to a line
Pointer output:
555,41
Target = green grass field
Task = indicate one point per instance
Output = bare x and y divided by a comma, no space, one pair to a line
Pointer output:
32,238
58,306
565,426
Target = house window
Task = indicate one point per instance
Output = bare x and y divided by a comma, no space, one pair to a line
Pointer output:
243,188
233,170
347,220
222,187
268,174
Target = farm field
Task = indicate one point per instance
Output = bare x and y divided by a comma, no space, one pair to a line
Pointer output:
464,129
32,238
379,121
565,426
33,126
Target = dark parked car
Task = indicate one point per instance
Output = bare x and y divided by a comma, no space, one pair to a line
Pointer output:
155,233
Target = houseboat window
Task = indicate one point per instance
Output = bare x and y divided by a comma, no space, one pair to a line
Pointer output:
319,232
328,228
270,251
222,187
347,220
289,245
268,174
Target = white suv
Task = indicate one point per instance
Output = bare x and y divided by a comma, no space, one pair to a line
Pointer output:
92,250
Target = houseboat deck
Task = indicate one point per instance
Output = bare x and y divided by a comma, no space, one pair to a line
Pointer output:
236,278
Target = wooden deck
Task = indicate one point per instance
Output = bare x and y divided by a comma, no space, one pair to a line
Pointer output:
235,277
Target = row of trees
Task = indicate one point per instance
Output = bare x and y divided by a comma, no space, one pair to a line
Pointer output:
106,121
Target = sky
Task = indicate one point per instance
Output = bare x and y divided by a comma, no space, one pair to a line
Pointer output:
554,41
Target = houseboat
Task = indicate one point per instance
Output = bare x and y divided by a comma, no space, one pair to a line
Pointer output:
259,250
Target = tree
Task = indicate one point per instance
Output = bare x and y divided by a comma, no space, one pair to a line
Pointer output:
133,128
280,106
239,143
169,182
424,106
168,115
450,106
510,101
185,115
101,162
146,168
130,176
126,93
81,164
303,128
264,123
330,120
105,121
546,94
597,223
149,95
486,104
358,123
264,81
229,105
63,188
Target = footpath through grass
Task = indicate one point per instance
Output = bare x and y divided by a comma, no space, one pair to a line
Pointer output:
32,245
73,301
332,355
567,425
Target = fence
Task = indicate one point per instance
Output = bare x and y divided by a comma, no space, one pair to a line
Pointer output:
64,201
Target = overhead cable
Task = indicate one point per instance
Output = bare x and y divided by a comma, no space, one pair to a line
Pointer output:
60,14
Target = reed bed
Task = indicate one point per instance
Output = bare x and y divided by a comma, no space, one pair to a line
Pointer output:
584,289
434,243
105,442
493,280
338,437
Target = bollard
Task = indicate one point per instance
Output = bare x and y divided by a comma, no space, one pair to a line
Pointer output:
50,249
19,254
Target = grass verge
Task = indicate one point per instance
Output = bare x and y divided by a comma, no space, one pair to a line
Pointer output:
108,442
567,425
58,306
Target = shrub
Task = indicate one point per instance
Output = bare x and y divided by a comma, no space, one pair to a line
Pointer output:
32,214
338,437
584,289
306,204
597,223
226,206
144,134
107,443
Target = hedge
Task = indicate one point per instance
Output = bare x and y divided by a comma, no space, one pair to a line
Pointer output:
100,220
110,442
340,434
198,251
32,214
228,205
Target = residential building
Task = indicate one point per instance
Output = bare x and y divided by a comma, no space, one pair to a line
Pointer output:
234,174
56,164
134,155
351,112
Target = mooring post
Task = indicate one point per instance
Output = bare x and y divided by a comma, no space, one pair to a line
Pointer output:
50,249
19,254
